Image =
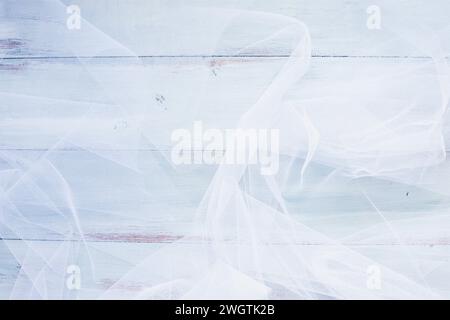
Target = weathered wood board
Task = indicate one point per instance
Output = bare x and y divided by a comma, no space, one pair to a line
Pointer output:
137,70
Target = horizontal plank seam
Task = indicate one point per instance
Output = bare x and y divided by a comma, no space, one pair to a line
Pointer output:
211,56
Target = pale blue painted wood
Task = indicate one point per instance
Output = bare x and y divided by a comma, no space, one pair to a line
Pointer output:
106,103
153,28
123,215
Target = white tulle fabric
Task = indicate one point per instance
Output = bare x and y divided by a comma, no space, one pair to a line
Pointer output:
345,141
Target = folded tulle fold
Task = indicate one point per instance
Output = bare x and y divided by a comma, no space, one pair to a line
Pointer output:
347,144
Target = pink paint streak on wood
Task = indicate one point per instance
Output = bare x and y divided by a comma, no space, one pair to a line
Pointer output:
11,44
134,237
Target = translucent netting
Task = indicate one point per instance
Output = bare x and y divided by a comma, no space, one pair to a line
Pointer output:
362,185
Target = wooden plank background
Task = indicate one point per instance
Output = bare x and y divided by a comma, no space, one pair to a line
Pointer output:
54,81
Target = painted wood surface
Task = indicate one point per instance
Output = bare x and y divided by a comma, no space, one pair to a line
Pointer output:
89,101
155,28
54,82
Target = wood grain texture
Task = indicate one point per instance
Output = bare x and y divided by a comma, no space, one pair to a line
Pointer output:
92,102
112,261
152,201
158,28
143,68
